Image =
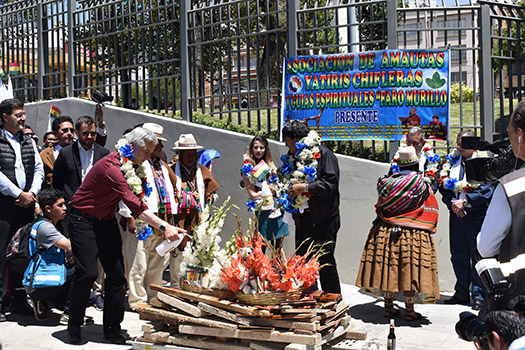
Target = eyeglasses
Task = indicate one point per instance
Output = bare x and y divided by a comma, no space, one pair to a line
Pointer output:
64,130
90,133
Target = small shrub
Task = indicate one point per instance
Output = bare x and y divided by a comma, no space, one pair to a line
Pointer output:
458,91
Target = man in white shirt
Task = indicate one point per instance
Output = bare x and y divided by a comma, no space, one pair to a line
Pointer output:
502,230
21,176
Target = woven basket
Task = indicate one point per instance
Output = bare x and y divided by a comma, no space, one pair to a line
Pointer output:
269,298
224,294
195,288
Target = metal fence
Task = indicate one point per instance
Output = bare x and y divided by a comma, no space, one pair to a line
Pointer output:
222,60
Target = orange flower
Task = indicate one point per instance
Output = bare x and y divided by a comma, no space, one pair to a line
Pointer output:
316,155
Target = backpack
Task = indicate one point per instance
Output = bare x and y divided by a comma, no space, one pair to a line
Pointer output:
18,256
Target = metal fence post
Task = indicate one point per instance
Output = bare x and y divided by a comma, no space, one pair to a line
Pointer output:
71,6
392,45
293,26
185,110
486,83
40,53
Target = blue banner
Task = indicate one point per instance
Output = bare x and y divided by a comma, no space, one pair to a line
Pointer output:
376,95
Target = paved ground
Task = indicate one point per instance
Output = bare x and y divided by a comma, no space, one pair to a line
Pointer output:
435,331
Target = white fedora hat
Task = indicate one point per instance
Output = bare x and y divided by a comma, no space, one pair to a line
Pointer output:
407,156
157,129
186,142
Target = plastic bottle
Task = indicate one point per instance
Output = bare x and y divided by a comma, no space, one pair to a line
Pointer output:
266,196
165,247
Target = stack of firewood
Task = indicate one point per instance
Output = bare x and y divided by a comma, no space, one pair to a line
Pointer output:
201,321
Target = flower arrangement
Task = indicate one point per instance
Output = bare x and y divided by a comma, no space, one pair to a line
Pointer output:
453,184
432,165
136,179
202,251
300,167
250,271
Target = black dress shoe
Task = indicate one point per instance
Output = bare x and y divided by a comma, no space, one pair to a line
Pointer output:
116,337
455,300
477,304
74,334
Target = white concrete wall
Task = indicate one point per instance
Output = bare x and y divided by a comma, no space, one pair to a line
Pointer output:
357,184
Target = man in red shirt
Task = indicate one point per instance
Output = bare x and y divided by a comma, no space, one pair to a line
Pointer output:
94,232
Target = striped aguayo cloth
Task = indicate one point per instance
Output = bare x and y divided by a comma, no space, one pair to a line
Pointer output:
406,200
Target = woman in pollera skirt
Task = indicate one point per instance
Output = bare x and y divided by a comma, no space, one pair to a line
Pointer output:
399,257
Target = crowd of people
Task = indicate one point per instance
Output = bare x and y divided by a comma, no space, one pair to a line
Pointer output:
103,213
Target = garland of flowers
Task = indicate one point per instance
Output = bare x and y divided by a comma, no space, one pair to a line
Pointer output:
432,165
453,184
300,167
136,179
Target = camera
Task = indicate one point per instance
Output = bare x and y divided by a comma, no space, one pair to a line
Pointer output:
100,97
501,160
471,326
497,286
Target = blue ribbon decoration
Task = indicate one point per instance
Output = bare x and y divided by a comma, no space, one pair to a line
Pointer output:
310,171
143,235
247,168
147,188
395,168
287,202
450,158
273,179
435,158
252,205
284,158
300,146
449,185
127,151
287,168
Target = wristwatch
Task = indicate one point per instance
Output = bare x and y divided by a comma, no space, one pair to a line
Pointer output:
306,187
162,228
465,202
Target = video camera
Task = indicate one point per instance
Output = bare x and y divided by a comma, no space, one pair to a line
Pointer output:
100,97
501,160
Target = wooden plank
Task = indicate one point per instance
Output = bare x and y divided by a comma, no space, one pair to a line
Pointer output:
356,335
148,328
181,305
287,324
143,344
254,345
223,304
224,314
178,318
302,311
339,332
274,336
206,343
158,337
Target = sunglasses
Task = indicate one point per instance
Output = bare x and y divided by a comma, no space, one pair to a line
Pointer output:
20,115
90,133
64,130
30,134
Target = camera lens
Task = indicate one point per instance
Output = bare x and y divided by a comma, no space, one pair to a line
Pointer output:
469,326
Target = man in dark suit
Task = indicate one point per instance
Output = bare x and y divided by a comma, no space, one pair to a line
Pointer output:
76,160
63,129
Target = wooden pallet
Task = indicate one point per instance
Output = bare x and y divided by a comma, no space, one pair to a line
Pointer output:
185,319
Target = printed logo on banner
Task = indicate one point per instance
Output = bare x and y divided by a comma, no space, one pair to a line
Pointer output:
370,95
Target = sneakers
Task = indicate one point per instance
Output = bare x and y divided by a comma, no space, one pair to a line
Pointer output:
3,317
40,309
